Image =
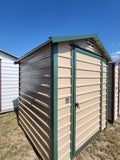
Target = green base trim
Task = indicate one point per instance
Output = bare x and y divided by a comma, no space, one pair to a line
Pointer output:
54,99
87,142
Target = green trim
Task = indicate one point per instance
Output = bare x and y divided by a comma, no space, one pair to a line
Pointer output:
83,48
90,53
54,99
72,104
87,142
107,99
72,37
104,48
101,95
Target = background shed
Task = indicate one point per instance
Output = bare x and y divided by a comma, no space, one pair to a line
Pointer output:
9,79
63,94
113,90
118,110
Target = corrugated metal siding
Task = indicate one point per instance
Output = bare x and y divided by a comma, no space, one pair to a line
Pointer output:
104,93
9,82
88,97
64,91
116,92
110,91
35,100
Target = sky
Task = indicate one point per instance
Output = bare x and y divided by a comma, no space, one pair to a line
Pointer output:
25,24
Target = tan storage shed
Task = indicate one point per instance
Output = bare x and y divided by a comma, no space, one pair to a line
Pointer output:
113,90
63,94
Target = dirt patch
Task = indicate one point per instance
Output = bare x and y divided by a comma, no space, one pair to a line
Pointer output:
106,146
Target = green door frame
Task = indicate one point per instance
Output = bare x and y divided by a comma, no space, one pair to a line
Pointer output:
74,49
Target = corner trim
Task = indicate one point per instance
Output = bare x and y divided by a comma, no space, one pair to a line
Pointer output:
54,98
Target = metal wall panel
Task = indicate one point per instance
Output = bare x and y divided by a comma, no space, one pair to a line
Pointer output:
35,99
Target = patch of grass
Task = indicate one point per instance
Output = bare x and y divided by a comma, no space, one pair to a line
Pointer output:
14,145
100,156
99,138
10,152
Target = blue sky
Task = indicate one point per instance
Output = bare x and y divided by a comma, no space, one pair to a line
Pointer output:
25,24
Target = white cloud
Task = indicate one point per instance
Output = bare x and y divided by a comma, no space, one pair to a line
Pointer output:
118,52
115,56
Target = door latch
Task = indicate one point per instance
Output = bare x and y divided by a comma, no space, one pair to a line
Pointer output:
77,105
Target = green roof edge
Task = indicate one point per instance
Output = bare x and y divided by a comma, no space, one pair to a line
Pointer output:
104,48
72,37
56,39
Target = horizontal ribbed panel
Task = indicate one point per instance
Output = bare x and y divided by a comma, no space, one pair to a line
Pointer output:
35,100
104,94
64,91
88,97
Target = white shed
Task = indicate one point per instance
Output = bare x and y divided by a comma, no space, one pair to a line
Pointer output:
9,76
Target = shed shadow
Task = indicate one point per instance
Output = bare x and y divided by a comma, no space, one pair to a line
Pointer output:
16,109
36,152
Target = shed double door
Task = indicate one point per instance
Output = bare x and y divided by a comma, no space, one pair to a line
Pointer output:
86,97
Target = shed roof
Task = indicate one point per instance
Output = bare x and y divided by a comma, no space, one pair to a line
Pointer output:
8,54
55,39
118,61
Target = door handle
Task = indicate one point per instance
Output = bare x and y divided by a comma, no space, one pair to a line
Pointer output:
77,105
